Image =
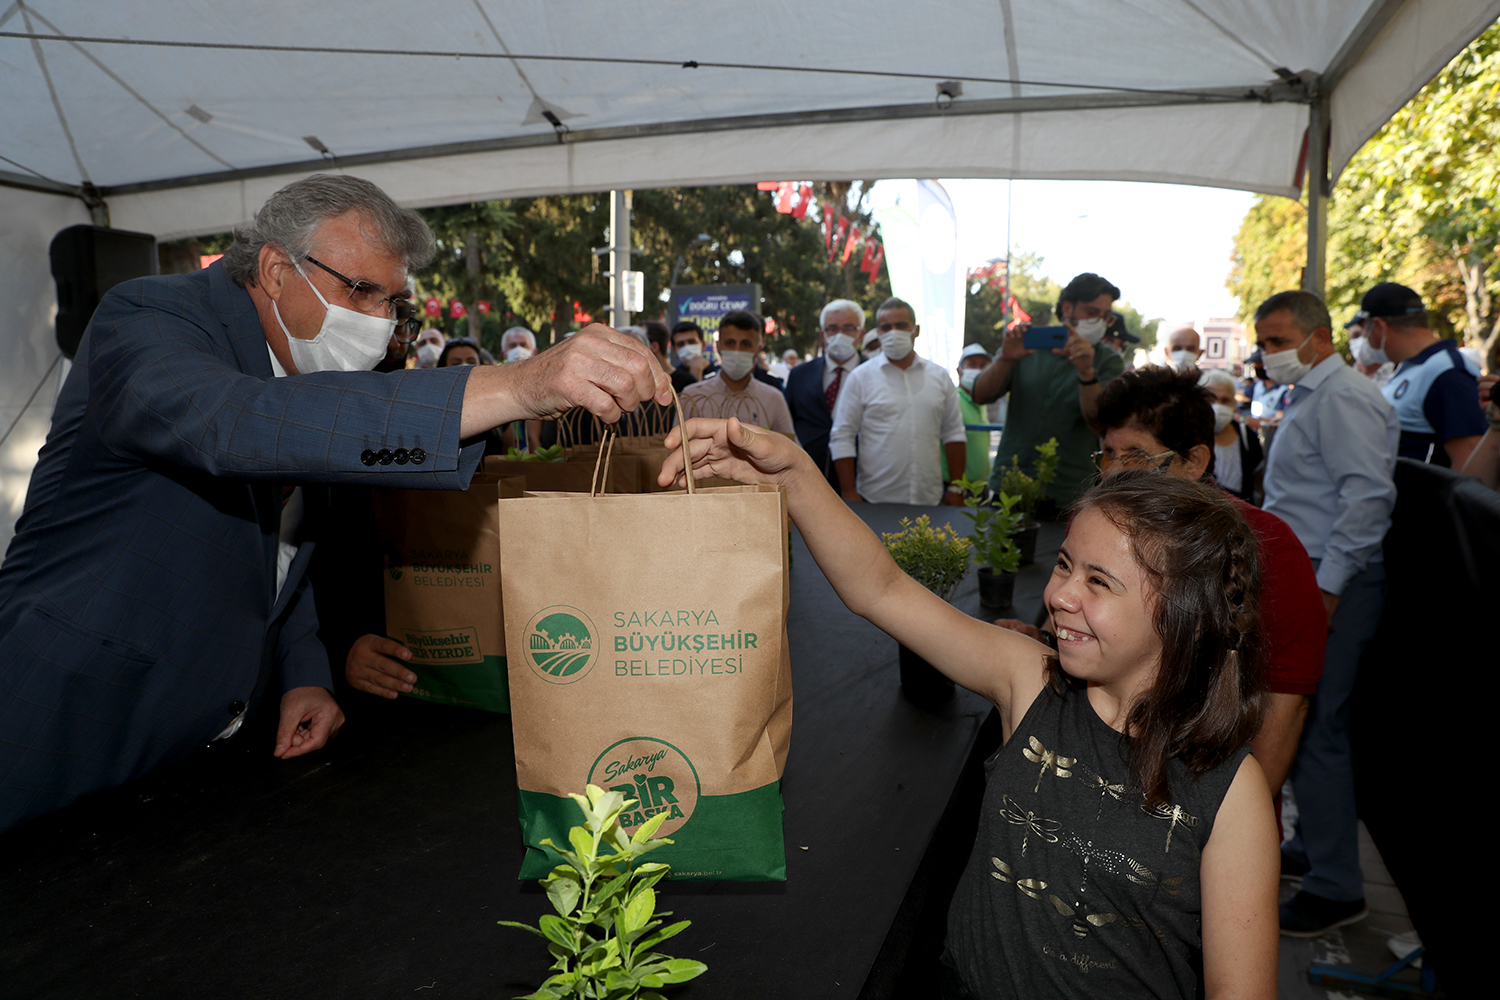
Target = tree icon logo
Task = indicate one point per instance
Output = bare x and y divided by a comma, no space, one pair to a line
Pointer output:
560,644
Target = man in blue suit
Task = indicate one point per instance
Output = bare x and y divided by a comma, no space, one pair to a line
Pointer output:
813,386
154,591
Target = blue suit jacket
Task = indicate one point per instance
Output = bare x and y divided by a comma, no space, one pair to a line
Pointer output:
811,417
138,598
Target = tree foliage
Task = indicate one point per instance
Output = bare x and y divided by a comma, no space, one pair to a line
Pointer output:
1417,205
1037,295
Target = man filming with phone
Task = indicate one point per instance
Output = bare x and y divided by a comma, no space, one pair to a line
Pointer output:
1054,375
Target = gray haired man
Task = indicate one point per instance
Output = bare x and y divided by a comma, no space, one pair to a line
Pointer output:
154,595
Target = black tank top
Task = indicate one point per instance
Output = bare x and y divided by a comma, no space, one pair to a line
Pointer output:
1074,888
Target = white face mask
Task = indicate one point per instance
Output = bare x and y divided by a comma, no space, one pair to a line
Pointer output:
687,352
348,341
428,354
1365,354
1185,360
967,378
841,347
896,343
736,364
1285,367
1222,415
517,353
1091,330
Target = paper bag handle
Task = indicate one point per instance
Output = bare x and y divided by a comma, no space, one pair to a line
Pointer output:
687,462
601,463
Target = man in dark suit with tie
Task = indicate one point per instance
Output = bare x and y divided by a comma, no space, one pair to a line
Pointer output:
155,590
813,386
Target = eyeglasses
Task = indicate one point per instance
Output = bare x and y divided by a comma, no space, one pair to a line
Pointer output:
365,296
407,332
848,328
1132,459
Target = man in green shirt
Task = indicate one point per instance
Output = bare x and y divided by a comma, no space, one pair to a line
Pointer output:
1055,393
971,362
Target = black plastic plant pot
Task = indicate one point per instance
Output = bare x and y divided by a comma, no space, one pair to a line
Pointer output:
996,590
1025,538
921,682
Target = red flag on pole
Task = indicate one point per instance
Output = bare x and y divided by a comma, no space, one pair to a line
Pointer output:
456,309
784,196
800,212
849,245
875,264
434,307
483,305
838,237
1017,314
767,185
867,262
828,230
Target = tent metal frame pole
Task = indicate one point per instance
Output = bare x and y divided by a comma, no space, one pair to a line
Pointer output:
1314,275
1271,93
619,257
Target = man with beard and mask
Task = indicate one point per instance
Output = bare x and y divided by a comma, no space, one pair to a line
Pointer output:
904,412
734,391
154,595
1184,348
813,387
1329,477
429,348
1053,393
1434,388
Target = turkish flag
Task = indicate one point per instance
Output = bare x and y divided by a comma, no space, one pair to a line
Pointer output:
849,246
767,185
784,195
867,262
875,264
838,237
800,212
483,306
1017,314
456,309
434,308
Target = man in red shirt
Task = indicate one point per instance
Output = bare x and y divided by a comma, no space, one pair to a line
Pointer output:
1163,419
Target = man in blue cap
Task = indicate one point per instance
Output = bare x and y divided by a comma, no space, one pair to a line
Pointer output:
1434,388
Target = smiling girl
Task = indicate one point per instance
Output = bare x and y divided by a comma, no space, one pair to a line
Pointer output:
1126,844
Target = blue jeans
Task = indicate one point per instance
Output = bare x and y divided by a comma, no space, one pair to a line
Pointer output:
1323,775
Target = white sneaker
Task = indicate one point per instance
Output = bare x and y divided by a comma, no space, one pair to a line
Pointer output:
1402,945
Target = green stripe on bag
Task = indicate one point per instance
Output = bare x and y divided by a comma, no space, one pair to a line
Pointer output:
483,685
727,837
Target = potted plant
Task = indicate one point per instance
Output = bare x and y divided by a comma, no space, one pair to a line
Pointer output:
937,558
1030,491
994,538
607,924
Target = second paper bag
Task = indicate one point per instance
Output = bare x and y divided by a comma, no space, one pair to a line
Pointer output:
658,670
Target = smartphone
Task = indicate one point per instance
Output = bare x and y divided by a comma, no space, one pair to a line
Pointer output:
1041,338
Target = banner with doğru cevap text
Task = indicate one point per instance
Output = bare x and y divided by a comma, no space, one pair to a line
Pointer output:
660,673
442,588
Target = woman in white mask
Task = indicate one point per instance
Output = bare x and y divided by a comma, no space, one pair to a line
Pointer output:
1237,450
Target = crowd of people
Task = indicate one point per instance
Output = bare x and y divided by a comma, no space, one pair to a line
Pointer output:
1219,580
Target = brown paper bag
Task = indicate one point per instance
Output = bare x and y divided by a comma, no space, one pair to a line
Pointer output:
666,678
570,476
442,588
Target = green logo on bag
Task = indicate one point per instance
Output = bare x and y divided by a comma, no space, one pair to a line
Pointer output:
396,572
653,772
560,641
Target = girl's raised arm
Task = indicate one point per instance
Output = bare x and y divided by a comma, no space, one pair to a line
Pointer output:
1002,666
1240,870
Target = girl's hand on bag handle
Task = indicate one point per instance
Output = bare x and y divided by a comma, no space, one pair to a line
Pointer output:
377,665
730,450
602,370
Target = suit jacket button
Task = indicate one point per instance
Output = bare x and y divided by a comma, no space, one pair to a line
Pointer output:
402,456
236,707
418,456
368,457
386,457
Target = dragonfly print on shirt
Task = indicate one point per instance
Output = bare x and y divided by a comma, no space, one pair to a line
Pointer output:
1050,761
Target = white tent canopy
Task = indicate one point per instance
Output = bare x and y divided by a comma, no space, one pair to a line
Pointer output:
179,117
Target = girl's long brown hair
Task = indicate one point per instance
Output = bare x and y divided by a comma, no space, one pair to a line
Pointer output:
1203,562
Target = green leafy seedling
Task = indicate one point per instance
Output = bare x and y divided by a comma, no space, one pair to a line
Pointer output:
606,926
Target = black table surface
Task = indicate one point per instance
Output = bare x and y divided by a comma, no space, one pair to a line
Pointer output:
378,866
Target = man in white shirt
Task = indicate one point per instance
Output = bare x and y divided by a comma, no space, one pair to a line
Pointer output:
734,391
903,410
